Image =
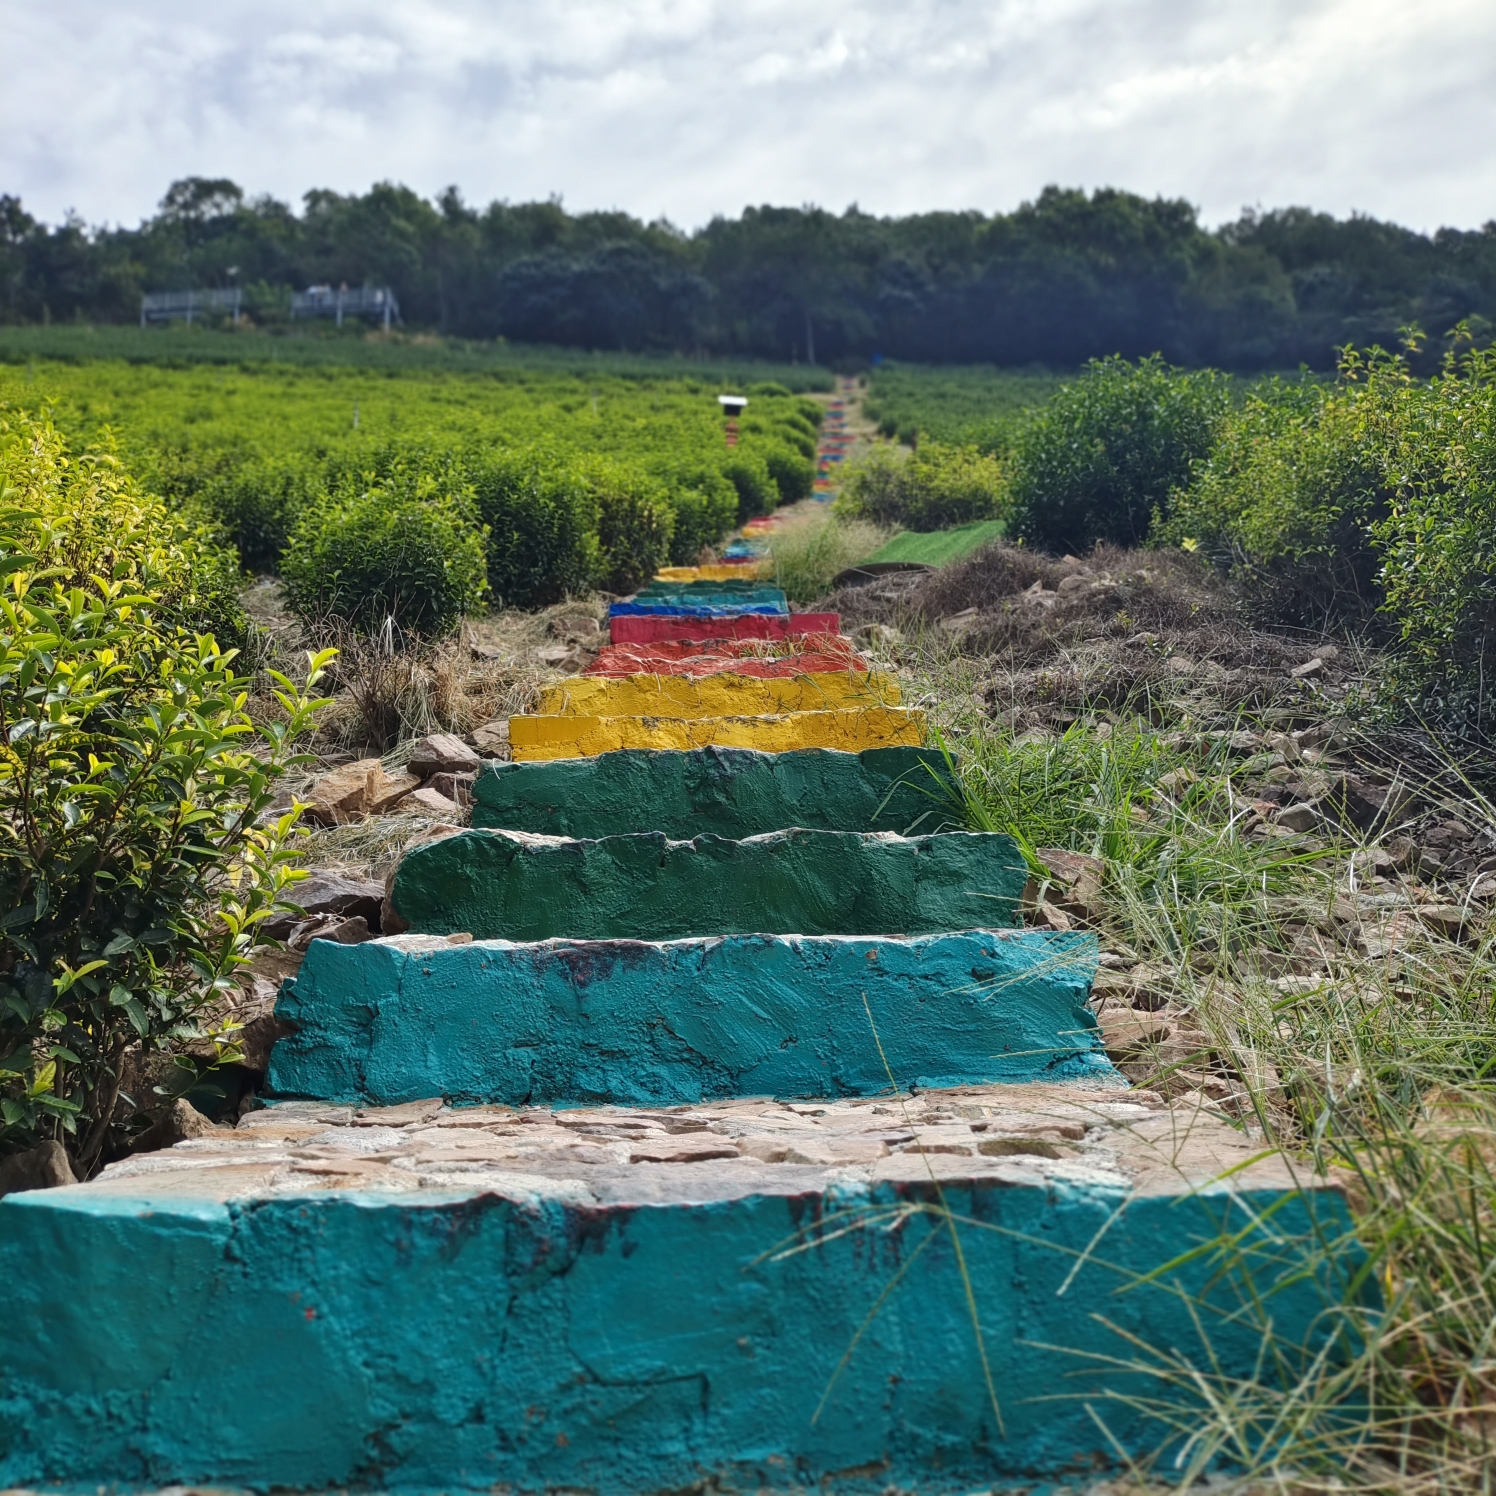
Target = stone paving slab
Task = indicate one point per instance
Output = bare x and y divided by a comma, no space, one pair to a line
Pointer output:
646,1023
724,695
734,792
511,885
850,729
622,1300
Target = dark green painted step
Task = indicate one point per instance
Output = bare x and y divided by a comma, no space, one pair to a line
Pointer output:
510,886
732,792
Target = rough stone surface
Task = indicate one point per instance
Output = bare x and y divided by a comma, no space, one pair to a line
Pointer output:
343,795
763,657
611,1300
391,789
733,792
643,630
717,695
457,788
442,752
850,730
180,1121
432,802
491,739
44,1167
508,885
327,892
636,1022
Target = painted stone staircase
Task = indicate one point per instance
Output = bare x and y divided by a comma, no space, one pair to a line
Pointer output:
597,1177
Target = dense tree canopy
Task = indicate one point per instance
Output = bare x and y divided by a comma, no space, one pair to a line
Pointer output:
1064,278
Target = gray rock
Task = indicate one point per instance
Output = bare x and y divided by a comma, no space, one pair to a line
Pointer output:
1301,817
442,752
41,1168
181,1122
458,788
328,893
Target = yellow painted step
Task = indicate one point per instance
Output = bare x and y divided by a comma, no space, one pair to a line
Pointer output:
716,695
748,571
851,730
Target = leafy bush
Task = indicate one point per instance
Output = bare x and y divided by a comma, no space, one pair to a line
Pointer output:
931,489
135,869
399,549
705,505
1105,454
1286,501
748,473
1436,442
634,524
794,475
257,501
542,527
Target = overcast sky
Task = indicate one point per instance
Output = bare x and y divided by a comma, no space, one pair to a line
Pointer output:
687,108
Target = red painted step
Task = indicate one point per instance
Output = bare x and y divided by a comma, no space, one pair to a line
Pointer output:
809,654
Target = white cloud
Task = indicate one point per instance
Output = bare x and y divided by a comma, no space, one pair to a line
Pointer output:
690,107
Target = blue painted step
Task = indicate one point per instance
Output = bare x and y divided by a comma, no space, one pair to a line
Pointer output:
636,1023
461,1301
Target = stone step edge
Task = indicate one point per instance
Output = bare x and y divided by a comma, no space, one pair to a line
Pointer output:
852,729
518,886
407,1017
729,791
560,1325
724,694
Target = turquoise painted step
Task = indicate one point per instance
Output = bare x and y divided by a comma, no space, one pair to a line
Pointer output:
733,792
302,1303
634,1023
505,885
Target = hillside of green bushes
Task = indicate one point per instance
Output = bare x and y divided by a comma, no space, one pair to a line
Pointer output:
419,496
1364,503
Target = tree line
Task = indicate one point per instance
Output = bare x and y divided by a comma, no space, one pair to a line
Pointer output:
1064,278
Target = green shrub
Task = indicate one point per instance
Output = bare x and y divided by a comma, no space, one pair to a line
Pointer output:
705,505
542,526
634,524
931,489
1436,442
794,475
135,867
257,502
398,549
748,473
1107,451
1286,502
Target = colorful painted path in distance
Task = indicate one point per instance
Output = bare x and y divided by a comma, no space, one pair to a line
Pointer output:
607,1198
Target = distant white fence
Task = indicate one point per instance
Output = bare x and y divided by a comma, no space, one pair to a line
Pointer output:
172,306
361,301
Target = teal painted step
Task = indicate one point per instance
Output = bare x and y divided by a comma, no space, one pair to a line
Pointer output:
502,885
613,1329
733,792
635,1024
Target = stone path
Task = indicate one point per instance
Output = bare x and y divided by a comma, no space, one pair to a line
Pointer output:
712,1120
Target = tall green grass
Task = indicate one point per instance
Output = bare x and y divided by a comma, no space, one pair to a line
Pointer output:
1378,1075
809,549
